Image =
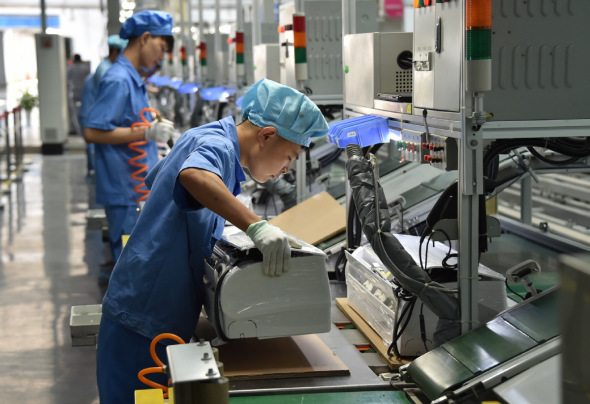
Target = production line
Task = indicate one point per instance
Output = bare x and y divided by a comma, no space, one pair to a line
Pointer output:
381,188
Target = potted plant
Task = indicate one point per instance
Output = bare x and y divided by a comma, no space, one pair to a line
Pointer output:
27,101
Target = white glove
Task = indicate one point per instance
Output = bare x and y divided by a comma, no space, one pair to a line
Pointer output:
160,131
274,246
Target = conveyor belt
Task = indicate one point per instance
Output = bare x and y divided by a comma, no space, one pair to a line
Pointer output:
514,332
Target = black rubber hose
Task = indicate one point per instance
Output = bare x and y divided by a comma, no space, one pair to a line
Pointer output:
373,212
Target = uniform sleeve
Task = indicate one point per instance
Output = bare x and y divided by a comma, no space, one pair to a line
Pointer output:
111,98
153,173
215,155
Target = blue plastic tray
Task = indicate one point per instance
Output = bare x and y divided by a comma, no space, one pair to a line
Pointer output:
364,130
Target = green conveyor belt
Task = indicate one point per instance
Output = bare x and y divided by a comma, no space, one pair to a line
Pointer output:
510,334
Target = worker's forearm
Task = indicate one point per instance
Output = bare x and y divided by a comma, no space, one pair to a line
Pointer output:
210,191
115,136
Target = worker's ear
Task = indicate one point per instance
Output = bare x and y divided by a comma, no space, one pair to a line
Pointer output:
143,38
265,134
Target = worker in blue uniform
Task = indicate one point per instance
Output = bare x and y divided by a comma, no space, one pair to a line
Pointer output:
120,97
157,283
116,46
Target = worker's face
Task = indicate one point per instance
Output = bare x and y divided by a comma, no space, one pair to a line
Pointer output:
153,50
273,155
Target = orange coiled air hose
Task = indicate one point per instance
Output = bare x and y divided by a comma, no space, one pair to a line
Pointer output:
135,146
160,368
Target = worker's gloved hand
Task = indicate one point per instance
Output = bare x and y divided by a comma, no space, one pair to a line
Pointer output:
274,246
160,131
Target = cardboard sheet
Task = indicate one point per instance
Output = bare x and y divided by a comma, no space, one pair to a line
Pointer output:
314,220
275,358
374,338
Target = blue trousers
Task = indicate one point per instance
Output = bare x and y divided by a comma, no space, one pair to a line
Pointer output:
90,157
121,354
121,220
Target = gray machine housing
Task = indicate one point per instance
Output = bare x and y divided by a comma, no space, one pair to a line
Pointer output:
53,100
539,53
323,21
242,302
371,66
217,60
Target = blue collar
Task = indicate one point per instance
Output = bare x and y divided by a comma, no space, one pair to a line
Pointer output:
229,127
134,74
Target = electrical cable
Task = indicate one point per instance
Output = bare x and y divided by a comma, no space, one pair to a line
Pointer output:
544,159
423,328
364,182
510,289
572,147
405,316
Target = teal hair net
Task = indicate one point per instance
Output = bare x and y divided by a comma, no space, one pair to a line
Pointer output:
152,21
115,41
295,116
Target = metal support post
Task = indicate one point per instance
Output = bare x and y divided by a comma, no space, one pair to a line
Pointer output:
7,146
256,34
301,178
526,200
217,41
470,186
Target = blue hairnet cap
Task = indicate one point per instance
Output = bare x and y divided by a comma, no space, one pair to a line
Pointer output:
295,116
152,21
115,41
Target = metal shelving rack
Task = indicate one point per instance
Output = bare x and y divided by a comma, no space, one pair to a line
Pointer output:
552,35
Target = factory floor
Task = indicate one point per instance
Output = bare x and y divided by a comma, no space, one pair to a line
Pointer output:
50,262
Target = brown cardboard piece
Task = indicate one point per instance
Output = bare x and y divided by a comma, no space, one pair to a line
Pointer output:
314,220
275,358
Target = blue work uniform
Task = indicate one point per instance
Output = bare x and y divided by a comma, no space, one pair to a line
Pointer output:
157,283
88,96
120,97
101,70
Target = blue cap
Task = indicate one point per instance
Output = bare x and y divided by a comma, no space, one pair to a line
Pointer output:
295,116
115,41
152,21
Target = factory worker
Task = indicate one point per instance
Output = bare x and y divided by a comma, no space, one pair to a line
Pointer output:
76,74
157,283
116,45
120,96
88,98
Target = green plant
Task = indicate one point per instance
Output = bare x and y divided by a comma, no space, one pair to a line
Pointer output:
27,100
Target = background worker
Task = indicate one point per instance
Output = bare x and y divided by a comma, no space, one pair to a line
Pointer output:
116,45
76,74
157,283
120,97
